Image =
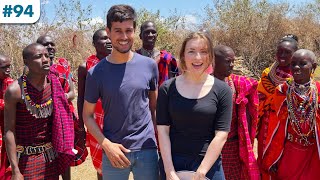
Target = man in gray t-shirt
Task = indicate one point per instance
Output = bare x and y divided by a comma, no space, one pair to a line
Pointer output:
126,82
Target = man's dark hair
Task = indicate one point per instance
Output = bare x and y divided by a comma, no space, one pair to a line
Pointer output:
96,34
120,13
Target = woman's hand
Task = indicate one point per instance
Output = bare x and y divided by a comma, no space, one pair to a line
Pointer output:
172,175
198,175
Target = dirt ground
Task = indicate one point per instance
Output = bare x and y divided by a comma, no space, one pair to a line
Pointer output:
86,171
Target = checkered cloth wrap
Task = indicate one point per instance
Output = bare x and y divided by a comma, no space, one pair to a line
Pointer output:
31,131
95,148
63,69
4,165
34,167
231,160
62,126
245,112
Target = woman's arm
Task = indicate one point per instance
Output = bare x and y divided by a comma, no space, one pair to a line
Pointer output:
165,149
212,154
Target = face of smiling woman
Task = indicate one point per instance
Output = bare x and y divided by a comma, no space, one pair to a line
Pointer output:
196,56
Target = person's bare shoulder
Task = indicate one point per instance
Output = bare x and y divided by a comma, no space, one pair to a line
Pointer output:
82,69
13,93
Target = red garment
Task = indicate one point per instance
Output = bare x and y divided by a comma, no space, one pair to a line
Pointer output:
243,131
266,88
31,131
62,126
95,148
291,160
167,66
64,73
5,171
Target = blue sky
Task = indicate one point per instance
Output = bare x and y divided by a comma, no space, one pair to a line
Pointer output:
184,7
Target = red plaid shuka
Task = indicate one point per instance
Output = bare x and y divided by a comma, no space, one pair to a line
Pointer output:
31,131
5,171
238,158
63,69
95,148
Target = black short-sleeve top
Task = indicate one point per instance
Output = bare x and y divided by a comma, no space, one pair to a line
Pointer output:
193,122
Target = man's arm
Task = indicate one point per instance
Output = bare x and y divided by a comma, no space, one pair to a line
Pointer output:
153,106
115,152
71,94
12,97
82,73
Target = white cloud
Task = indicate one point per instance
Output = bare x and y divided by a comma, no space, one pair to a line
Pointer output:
190,19
188,22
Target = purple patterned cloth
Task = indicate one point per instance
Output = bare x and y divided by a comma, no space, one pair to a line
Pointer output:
62,127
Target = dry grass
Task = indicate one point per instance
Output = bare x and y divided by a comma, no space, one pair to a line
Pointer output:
251,28
86,171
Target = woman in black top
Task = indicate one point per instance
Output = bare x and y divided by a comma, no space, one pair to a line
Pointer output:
193,115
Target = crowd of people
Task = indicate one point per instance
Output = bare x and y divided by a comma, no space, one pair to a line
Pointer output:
147,113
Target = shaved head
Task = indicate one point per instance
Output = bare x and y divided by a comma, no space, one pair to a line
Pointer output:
42,38
27,52
220,51
224,59
306,53
97,34
3,57
146,24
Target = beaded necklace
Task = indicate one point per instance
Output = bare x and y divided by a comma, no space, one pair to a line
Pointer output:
43,110
275,79
302,108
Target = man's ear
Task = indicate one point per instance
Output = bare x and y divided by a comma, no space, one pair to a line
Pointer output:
108,31
314,66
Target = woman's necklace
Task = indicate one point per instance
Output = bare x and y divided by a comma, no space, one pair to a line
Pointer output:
302,107
43,110
275,79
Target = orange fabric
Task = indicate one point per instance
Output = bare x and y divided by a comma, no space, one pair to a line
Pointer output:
293,160
265,89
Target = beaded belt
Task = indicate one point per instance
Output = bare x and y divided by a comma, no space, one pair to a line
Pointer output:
302,140
47,150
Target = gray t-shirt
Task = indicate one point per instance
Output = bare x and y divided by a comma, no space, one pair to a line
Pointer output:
123,89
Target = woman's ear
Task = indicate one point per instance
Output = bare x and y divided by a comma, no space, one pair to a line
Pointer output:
314,66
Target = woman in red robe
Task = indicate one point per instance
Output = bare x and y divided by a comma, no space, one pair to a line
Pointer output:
292,143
